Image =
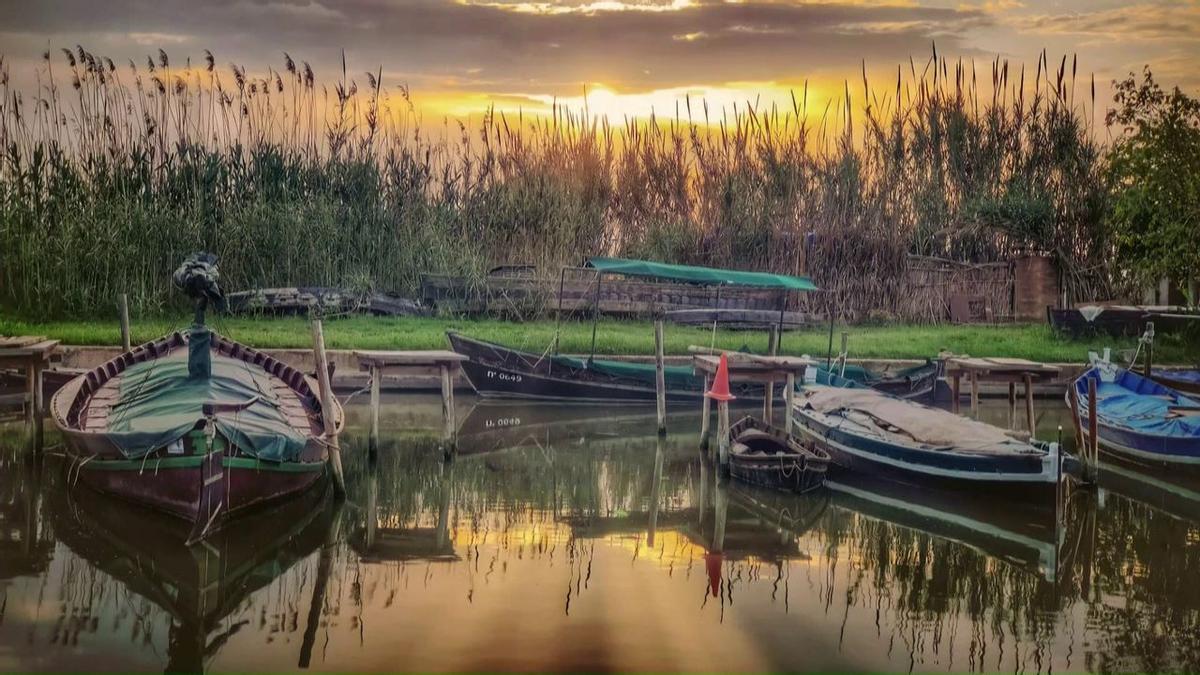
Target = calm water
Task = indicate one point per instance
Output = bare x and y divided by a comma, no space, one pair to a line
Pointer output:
561,538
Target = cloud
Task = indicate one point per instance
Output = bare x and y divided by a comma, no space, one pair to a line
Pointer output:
525,46
1154,21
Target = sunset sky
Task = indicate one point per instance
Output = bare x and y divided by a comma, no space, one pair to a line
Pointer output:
458,56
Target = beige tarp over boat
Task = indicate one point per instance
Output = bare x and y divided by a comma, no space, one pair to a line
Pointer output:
890,416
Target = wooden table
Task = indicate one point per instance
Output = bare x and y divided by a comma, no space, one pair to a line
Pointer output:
749,368
440,362
1007,370
32,355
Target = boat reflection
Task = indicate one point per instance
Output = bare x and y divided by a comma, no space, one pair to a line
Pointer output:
198,586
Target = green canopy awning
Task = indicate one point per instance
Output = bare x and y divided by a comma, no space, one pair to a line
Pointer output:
700,275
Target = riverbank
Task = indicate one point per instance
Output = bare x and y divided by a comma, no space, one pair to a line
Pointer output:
1029,341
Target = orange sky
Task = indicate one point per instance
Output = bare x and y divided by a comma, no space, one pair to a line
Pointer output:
631,56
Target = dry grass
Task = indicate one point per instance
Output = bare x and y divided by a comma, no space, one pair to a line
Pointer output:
111,174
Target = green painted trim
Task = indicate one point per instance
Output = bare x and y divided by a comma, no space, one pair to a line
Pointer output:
194,461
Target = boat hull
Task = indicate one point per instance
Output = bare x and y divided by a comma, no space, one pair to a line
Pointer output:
1121,439
175,485
491,381
871,456
765,456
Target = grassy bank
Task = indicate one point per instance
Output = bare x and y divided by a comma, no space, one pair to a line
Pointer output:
615,337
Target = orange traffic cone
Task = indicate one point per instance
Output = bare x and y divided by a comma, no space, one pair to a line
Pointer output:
720,386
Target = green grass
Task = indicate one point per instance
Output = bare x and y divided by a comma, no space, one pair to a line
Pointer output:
1035,342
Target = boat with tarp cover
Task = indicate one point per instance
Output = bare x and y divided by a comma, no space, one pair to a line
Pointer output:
498,371
193,423
1137,418
867,431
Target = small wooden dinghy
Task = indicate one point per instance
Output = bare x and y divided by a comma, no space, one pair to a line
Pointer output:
194,424
764,455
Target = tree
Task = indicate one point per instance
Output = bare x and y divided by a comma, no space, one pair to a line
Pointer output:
1154,167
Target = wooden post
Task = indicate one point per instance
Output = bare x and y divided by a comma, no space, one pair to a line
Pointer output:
1093,425
789,398
1012,405
655,490
705,413
30,399
126,343
974,394
1081,448
376,385
1149,348
37,404
335,451
956,387
844,353
660,377
450,432
769,388
1029,404
723,431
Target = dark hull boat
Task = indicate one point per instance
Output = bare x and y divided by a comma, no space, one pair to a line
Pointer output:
496,371
871,433
201,445
1138,419
1186,381
915,383
766,456
1120,320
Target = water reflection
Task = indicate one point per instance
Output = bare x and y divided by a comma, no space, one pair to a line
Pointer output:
575,538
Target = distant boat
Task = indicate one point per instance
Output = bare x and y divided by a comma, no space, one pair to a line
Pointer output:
915,382
869,432
496,371
1139,419
1119,320
1187,381
194,424
766,456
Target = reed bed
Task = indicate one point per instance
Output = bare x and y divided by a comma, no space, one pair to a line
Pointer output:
112,173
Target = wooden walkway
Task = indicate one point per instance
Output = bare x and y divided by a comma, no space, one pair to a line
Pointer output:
381,364
31,355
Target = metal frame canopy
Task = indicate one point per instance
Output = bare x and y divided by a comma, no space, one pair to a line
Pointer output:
700,275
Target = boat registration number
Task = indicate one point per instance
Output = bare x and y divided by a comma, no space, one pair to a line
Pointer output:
505,377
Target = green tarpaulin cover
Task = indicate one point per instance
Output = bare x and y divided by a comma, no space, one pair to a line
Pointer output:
700,275
159,404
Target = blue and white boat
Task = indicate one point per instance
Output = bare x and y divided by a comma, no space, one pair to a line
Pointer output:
869,432
1137,418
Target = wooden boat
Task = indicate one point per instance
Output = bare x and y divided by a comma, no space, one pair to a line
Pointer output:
765,455
1120,320
1137,418
496,371
1186,381
869,432
915,382
194,424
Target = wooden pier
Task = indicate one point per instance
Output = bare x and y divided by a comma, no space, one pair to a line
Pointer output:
1001,370
445,364
31,355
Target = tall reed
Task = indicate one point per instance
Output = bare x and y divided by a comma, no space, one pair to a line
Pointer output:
110,174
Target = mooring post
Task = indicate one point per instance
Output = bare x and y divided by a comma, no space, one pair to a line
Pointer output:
789,398
1093,428
126,343
705,413
723,432
1149,347
844,353
956,388
656,490
660,377
450,431
376,385
720,515
335,452
1012,405
769,388
1032,421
